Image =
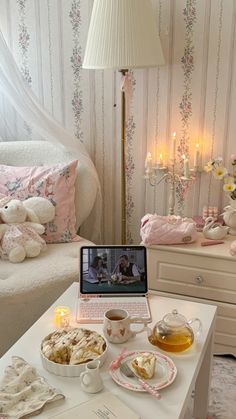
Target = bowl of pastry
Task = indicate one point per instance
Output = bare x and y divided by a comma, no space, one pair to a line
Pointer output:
65,352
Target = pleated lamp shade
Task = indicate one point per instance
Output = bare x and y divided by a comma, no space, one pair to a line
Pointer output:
122,35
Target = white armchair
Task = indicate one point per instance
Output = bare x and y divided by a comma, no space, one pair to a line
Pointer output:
29,288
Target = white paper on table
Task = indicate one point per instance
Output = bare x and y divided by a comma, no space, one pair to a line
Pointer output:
105,406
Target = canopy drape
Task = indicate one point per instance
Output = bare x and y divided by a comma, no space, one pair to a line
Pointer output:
17,92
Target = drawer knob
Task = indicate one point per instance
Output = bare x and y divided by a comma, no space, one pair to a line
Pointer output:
199,279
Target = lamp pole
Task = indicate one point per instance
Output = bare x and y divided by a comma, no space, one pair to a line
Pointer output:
122,34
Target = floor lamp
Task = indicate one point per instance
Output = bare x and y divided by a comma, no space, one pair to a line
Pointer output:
122,35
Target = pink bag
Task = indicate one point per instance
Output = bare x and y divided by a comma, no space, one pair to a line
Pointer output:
171,229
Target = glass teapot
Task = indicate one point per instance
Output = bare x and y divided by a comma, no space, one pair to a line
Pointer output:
174,333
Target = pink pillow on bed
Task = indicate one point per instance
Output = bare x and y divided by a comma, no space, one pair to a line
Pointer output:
53,182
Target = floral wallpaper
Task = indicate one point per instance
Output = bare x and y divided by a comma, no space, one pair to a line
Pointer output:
130,164
193,94
76,61
24,40
187,61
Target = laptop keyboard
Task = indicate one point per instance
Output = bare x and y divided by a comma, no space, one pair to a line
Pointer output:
96,310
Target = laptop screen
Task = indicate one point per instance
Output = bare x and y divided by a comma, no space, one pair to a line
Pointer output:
113,270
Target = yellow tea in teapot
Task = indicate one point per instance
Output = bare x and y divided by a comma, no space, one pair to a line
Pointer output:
172,342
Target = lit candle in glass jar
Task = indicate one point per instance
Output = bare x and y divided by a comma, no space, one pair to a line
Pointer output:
62,316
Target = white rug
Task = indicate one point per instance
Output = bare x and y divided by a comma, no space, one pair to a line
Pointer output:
222,397
222,403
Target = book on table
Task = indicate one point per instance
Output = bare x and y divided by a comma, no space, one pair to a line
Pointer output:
105,406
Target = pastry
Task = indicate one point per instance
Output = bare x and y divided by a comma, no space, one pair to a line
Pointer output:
73,347
144,365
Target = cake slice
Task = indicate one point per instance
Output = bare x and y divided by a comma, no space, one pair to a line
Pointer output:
144,365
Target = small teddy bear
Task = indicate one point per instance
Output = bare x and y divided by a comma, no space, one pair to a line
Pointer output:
21,238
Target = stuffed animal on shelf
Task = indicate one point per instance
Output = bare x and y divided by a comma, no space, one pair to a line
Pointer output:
22,227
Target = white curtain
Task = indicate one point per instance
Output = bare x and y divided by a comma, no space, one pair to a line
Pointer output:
28,108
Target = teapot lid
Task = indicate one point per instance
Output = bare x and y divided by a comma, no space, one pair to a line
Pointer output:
174,319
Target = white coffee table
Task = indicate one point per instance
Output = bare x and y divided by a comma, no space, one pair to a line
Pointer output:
193,366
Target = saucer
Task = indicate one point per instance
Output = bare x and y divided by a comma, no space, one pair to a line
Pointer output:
165,372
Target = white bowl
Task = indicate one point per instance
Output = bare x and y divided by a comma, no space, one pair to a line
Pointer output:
67,370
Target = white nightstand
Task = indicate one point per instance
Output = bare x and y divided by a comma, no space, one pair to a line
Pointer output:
202,274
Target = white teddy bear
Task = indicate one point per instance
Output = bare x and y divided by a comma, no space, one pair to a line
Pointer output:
21,238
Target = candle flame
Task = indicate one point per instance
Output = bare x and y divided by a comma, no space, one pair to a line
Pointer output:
149,155
183,157
197,145
174,135
160,155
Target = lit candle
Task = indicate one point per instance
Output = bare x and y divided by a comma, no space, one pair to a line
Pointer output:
196,156
186,167
173,147
148,163
62,316
160,160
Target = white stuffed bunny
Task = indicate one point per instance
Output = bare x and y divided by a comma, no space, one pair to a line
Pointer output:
21,238
40,210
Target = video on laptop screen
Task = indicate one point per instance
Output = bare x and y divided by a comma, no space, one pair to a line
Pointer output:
113,269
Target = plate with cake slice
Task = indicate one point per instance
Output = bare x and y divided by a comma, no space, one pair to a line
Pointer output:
154,367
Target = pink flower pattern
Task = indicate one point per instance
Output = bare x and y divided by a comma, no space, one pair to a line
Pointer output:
130,165
185,105
24,40
76,61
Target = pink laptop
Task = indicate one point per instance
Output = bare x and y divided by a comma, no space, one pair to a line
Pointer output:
112,277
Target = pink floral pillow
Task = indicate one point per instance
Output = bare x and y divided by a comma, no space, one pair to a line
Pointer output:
53,182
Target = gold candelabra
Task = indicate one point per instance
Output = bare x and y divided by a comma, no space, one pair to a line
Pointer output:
170,175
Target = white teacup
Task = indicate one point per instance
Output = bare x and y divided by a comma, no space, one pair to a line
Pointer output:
90,379
116,325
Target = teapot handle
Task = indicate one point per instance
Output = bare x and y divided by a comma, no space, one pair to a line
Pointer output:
198,327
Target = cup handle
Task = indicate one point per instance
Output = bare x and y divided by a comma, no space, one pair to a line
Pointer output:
138,320
82,376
